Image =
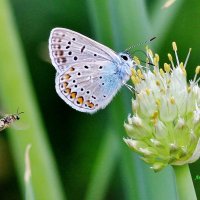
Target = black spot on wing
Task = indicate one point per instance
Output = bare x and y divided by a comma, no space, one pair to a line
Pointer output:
82,49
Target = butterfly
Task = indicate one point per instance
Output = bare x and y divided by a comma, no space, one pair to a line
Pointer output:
8,119
89,74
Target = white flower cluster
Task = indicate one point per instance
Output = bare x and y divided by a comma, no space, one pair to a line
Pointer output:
165,126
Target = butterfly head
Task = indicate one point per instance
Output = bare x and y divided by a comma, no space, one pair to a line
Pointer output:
127,60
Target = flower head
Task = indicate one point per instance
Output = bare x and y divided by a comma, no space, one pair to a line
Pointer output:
165,126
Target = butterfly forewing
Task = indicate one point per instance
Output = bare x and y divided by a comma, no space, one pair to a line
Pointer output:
67,47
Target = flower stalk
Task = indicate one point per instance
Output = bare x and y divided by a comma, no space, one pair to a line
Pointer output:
184,184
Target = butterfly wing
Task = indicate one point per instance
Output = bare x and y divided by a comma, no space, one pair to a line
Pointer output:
87,86
67,47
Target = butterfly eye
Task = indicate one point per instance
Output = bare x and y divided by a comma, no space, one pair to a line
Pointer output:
124,57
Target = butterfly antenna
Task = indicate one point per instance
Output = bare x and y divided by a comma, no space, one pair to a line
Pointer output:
141,43
145,55
147,62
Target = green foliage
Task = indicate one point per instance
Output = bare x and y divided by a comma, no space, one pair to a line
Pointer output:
75,154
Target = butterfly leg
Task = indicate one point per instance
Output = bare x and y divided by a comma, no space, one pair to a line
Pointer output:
131,88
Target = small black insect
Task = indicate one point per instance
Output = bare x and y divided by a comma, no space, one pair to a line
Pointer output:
8,119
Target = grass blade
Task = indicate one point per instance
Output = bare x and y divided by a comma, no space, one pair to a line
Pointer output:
16,91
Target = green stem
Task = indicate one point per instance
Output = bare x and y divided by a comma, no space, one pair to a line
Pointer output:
185,187
102,173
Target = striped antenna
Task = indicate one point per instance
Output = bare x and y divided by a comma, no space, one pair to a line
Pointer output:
141,43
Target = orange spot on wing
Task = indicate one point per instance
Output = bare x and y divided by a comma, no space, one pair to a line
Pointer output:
90,104
73,95
71,69
65,84
67,76
68,90
80,100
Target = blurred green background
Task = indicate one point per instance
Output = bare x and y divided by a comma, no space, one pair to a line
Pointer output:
76,155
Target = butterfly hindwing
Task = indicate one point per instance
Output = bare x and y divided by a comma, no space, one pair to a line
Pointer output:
88,87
